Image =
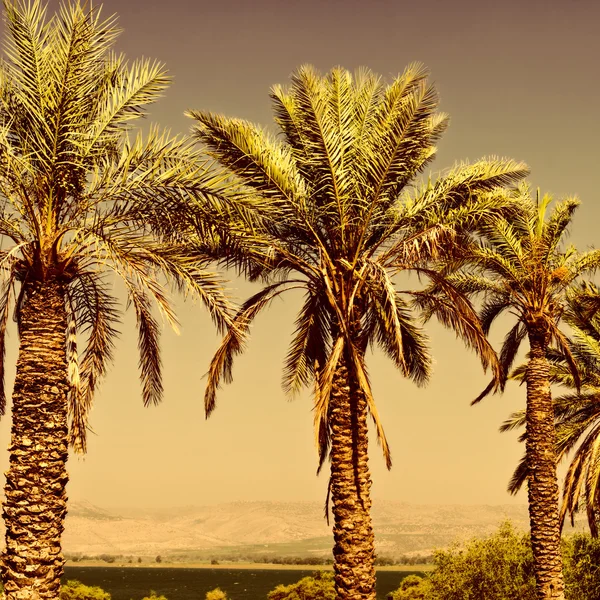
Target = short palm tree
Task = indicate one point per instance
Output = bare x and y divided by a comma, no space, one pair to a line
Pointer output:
576,414
330,209
79,199
521,267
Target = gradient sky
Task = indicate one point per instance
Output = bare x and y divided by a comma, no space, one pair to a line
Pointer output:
519,79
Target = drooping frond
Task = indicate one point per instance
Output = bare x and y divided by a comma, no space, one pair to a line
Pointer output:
455,311
389,323
323,387
234,341
309,347
150,363
96,315
360,371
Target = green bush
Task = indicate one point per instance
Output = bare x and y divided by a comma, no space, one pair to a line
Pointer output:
496,568
413,587
153,596
318,587
216,594
500,567
581,557
75,590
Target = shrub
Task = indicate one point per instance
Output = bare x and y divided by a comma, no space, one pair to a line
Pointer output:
75,590
109,558
216,594
413,587
153,596
582,567
318,587
496,568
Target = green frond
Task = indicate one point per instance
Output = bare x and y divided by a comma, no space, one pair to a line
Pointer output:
515,421
519,477
264,164
403,144
455,311
559,220
142,84
583,264
390,324
150,362
324,105
565,348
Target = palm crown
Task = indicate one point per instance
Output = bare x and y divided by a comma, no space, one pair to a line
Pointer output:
521,265
332,208
80,197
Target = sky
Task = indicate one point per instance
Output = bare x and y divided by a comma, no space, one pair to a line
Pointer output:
518,79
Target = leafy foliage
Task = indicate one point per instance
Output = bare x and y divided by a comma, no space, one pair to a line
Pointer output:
318,587
75,590
413,587
154,596
216,594
582,572
497,568
500,567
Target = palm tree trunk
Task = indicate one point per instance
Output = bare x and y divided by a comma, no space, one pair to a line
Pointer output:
353,549
35,500
542,480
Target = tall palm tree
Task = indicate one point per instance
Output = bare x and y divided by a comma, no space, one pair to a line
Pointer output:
521,268
331,208
79,199
577,413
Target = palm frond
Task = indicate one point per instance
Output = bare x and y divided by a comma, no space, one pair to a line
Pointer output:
360,371
150,362
310,345
234,340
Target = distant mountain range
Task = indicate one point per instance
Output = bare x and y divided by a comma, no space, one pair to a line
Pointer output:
254,529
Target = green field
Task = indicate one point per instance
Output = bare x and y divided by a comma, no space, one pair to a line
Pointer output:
133,583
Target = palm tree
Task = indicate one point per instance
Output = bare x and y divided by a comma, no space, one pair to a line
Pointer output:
576,414
522,268
79,199
330,209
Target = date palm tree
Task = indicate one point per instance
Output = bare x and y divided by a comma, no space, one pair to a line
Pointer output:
521,267
332,209
79,199
577,413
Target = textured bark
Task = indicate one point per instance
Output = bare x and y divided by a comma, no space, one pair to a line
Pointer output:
35,500
542,481
350,491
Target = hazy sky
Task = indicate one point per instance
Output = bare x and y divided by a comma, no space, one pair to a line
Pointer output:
518,78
